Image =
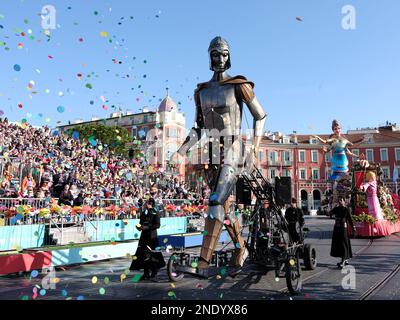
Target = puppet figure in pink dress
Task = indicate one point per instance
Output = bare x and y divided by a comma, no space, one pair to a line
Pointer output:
370,187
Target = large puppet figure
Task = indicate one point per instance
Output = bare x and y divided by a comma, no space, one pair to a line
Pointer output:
371,187
219,106
340,149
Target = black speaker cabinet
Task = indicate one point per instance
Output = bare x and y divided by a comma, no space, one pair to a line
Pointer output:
283,190
243,194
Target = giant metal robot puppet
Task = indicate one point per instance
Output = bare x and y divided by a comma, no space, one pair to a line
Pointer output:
219,105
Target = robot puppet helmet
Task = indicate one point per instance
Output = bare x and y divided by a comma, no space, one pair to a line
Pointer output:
219,44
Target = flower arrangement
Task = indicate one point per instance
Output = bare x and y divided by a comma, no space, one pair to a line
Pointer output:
10,212
55,208
44,212
364,218
390,215
76,210
170,208
112,210
98,211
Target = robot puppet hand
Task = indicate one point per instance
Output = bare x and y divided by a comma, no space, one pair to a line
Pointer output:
251,159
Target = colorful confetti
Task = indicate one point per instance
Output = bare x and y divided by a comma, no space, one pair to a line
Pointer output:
136,278
34,273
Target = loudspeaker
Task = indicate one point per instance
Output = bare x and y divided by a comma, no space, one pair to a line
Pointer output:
283,190
243,194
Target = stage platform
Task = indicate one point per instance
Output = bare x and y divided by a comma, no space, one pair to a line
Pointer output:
381,228
57,256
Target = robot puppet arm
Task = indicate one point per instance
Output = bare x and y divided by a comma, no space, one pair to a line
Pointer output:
246,93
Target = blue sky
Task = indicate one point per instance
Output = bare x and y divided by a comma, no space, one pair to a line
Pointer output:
306,72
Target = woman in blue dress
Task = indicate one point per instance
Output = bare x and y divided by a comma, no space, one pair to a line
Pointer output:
340,149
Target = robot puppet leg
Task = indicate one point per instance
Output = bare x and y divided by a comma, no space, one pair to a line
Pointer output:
226,181
223,187
212,228
241,251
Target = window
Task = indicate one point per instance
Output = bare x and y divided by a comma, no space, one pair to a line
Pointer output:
386,173
146,118
273,157
328,157
303,174
384,154
134,132
327,173
287,156
313,141
397,176
314,156
357,152
397,154
261,156
286,173
302,156
370,155
272,173
369,138
172,133
315,174
286,140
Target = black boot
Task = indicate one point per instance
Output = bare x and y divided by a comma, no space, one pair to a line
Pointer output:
153,276
145,275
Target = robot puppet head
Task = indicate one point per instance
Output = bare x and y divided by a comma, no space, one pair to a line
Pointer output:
219,47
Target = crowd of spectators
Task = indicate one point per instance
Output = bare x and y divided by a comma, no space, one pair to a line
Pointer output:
41,163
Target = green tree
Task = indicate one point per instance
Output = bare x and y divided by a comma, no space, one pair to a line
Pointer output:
115,137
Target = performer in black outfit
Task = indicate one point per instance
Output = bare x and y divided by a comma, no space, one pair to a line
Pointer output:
295,218
341,247
265,215
148,242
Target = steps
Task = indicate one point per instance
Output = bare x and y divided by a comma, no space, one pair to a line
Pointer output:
75,234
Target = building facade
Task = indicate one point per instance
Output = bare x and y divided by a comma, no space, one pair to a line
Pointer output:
160,133
301,157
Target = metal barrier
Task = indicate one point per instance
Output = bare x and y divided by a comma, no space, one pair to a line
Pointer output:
97,214
36,203
110,202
